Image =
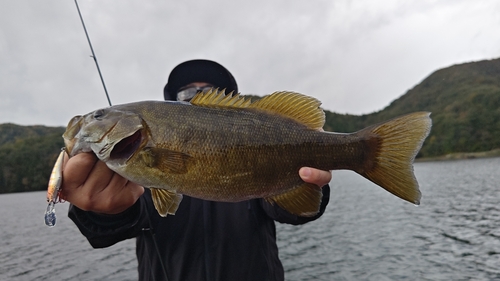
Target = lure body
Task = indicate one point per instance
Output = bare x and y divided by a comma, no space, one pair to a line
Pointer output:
53,190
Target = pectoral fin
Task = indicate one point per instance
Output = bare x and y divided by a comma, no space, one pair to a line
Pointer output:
166,160
304,200
166,202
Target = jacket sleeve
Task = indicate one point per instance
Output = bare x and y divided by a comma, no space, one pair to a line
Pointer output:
280,215
105,230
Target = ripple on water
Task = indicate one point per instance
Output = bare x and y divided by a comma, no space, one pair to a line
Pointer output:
365,234
368,234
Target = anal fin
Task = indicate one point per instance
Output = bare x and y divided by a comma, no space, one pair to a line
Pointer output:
166,202
304,200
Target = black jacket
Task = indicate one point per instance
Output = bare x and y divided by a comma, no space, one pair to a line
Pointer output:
205,240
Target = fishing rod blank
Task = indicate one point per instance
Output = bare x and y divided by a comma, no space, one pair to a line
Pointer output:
93,54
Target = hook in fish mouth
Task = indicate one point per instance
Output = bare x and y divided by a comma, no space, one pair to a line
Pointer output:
125,148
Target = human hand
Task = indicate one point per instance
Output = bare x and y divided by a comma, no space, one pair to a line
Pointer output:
91,186
315,176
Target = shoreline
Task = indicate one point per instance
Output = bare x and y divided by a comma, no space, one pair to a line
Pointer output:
461,156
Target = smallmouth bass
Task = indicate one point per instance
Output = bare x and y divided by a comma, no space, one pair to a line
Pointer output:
225,148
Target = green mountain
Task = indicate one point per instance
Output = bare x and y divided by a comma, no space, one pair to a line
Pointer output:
465,103
27,154
464,100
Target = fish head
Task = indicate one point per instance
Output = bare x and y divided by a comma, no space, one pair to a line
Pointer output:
111,133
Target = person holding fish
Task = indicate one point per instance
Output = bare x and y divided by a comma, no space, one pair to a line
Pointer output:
204,240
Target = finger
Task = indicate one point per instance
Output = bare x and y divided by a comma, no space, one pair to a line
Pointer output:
117,196
315,176
99,178
76,169
74,172
126,195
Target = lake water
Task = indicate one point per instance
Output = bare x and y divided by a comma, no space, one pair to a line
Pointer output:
365,234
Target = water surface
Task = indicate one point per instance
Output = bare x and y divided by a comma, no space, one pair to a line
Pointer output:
368,235
365,234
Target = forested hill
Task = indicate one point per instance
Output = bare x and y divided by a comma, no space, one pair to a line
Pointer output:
465,103
464,100
27,154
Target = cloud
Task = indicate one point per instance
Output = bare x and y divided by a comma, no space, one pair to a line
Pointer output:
355,56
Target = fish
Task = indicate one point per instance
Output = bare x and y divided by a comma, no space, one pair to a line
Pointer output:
224,147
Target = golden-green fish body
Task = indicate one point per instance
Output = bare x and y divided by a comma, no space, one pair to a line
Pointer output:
225,148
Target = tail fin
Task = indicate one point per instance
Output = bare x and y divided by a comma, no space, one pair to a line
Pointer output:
400,139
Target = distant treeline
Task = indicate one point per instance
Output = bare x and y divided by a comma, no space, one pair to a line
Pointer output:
27,154
464,100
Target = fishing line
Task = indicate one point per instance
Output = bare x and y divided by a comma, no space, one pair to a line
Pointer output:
93,54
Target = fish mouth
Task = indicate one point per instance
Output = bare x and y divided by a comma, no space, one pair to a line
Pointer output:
125,148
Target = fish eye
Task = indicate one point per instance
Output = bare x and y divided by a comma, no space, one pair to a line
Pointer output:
98,114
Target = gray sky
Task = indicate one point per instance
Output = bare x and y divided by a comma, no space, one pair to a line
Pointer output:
355,56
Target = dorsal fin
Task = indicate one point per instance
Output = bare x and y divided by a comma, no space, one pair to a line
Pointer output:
216,98
301,108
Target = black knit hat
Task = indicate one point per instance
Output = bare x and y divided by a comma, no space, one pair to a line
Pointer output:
198,71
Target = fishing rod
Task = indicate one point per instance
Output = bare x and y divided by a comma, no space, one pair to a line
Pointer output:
93,53
150,229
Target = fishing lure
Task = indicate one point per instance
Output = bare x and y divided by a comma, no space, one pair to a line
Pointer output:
54,190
